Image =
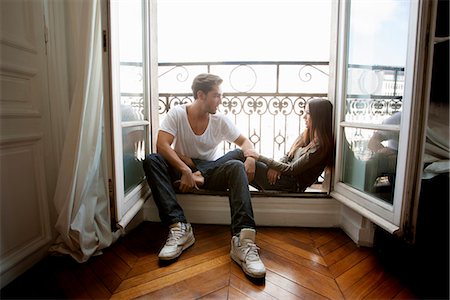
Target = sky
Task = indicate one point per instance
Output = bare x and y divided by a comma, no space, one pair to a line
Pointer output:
266,30
249,30
286,30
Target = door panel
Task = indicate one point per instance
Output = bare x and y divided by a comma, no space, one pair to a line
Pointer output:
23,116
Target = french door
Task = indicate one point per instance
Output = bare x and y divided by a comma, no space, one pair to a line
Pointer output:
132,85
379,113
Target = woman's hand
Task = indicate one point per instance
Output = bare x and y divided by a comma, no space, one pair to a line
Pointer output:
251,153
273,176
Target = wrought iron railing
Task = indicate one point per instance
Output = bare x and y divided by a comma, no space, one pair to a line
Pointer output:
266,100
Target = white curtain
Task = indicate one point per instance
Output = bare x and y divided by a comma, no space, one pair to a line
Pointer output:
81,197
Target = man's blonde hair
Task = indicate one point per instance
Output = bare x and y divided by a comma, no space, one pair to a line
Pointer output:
205,82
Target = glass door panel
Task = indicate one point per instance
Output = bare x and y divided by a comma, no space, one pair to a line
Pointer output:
375,76
129,108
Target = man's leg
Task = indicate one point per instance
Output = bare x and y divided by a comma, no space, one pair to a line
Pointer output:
231,175
160,177
207,167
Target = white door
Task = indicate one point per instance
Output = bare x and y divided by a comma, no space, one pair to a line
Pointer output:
23,131
132,86
378,109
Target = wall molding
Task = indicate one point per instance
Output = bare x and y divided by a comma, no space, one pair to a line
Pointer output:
268,211
274,211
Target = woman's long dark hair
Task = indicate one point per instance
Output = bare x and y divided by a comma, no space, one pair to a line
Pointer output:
321,113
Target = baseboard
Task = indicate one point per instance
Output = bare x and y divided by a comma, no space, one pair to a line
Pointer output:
268,211
357,227
22,266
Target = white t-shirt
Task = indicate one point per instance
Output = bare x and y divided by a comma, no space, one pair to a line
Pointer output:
203,146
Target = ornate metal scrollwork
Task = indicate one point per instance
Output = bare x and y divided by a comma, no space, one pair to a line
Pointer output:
235,78
306,75
181,76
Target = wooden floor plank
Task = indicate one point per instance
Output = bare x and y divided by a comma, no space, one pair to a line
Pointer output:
388,289
234,294
248,289
221,294
173,268
349,261
365,285
124,254
278,286
212,280
173,278
339,239
356,273
279,250
201,246
339,253
291,238
105,273
292,248
307,278
72,287
91,283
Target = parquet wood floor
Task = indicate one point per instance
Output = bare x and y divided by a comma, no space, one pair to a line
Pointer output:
301,263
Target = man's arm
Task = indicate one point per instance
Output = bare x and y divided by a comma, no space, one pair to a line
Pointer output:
163,147
249,163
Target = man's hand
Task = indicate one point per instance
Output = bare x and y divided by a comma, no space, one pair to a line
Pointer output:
187,182
251,153
250,168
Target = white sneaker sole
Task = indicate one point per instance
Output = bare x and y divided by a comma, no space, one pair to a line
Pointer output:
244,267
188,244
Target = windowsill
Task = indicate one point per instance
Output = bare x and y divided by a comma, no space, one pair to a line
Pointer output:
314,191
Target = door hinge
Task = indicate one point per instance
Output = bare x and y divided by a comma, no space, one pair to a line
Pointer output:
105,41
45,34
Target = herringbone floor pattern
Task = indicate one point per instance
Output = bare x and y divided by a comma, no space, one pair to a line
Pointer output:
302,263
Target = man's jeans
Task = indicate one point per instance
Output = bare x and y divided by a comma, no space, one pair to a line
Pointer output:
226,173
286,183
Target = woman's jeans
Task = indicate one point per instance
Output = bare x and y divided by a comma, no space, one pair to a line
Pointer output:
225,174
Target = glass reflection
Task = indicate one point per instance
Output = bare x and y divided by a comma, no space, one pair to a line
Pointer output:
132,109
133,154
370,161
377,50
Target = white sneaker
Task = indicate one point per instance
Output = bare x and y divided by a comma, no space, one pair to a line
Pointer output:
245,252
180,238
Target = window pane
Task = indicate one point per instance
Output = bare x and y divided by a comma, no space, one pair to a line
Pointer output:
370,160
133,155
131,60
377,51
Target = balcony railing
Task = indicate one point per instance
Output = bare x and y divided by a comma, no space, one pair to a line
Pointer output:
266,100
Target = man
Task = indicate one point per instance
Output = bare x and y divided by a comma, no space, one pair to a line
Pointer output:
195,131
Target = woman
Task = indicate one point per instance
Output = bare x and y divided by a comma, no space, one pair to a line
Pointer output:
309,155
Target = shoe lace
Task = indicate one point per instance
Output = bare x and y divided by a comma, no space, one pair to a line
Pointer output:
252,252
175,234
